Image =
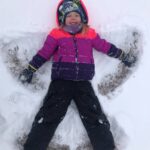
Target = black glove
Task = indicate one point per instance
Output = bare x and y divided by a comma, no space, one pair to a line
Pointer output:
26,75
128,59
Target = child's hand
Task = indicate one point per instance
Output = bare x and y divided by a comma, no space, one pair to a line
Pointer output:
128,60
26,75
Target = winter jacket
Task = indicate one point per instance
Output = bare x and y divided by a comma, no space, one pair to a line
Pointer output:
72,54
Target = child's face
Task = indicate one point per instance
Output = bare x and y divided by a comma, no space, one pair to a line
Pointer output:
73,18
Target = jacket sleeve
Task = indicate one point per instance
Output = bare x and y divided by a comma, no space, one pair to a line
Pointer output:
115,52
104,46
100,44
45,53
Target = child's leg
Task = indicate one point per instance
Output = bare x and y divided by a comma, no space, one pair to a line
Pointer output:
50,115
93,117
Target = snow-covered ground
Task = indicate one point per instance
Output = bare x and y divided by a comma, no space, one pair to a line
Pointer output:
23,27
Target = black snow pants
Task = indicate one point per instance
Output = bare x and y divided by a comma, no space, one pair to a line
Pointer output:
54,108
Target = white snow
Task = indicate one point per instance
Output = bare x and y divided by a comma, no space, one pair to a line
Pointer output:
26,23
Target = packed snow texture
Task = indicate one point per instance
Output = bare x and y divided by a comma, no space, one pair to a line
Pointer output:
123,92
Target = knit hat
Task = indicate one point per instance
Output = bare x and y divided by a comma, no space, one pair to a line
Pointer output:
67,6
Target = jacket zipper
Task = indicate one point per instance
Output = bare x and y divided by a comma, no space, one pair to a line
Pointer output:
76,49
76,57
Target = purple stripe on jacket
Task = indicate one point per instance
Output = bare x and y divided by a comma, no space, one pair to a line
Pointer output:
72,71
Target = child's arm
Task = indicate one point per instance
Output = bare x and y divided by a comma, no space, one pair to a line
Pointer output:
112,51
39,59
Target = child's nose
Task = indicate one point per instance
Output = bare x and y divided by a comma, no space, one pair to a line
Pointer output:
73,18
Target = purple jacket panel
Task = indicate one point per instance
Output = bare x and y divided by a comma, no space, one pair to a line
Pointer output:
66,48
72,71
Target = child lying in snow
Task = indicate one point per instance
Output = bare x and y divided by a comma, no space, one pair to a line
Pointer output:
71,45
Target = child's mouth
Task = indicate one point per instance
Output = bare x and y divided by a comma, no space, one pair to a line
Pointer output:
73,23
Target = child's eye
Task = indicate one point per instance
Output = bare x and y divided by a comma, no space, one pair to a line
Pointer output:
68,15
77,15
